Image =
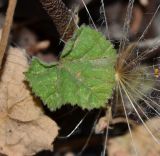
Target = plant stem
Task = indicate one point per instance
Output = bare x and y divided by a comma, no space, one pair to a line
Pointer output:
61,17
6,28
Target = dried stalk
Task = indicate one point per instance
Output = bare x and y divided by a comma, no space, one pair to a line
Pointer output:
6,28
61,17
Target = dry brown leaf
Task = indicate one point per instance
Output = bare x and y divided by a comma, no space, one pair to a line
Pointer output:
101,125
144,144
24,128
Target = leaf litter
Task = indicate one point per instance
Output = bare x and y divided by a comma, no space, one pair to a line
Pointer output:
145,145
23,124
135,106
132,132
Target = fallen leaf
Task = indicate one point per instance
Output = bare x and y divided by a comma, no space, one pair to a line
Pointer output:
24,128
143,143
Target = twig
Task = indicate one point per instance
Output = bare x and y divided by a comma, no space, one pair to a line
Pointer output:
137,19
150,43
6,28
61,17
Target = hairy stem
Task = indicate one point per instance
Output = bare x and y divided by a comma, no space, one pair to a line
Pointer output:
61,17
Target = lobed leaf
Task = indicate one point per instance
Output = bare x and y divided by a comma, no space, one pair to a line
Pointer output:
84,76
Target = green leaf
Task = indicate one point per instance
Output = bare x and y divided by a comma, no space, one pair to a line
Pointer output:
84,76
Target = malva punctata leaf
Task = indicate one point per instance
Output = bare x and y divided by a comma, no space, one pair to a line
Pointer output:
84,76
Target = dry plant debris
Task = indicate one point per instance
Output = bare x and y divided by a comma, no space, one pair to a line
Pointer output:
143,142
28,40
7,28
144,2
24,128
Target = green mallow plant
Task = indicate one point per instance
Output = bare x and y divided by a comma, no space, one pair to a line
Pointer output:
89,73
